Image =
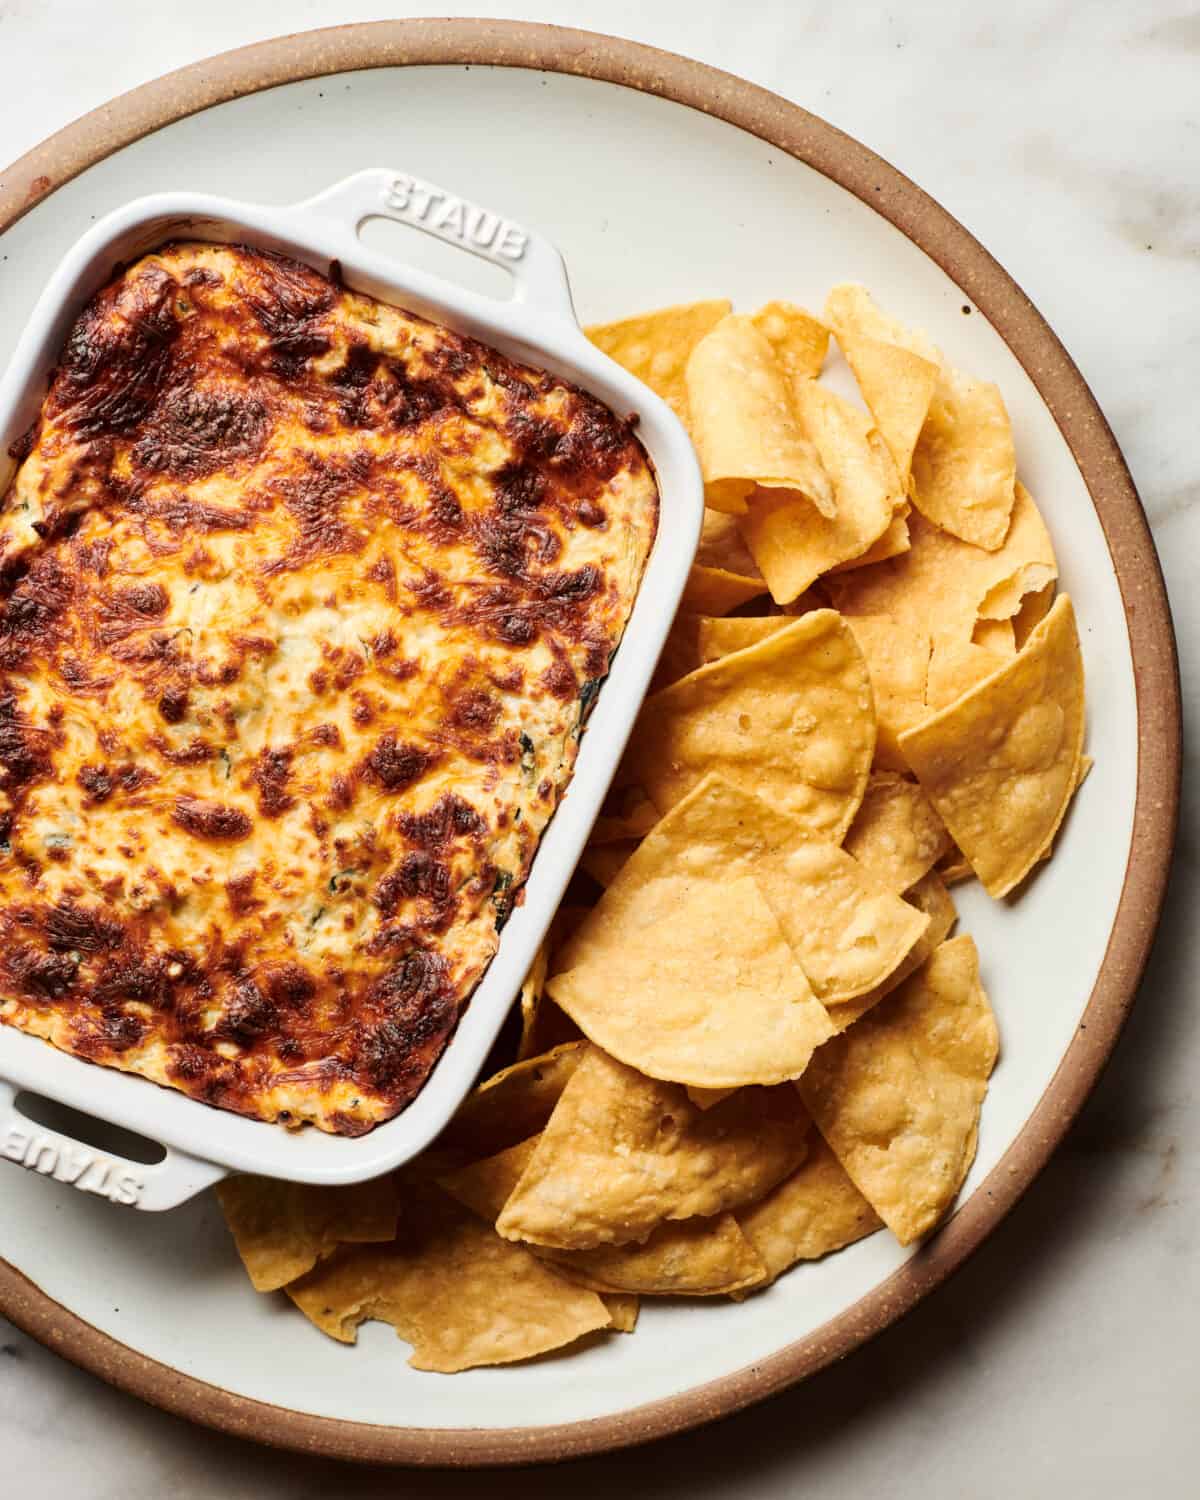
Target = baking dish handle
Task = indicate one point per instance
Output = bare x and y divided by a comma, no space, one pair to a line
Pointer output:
533,262
37,1148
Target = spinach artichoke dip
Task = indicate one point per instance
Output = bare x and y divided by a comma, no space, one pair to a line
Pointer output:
303,602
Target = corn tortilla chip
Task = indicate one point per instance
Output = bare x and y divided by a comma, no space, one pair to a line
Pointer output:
718,638
655,346
964,466
897,659
928,895
944,584
453,1289
813,1212
531,1002
791,718
743,423
846,929
897,834
628,814
956,665
996,635
896,369
715,591
623,1152
745,1015
485,1186
568,919
792,543
680,653
694,1257
797,339
954,868
722,546
706,1098
282,1229
695,640
1000,764
898,1096
551,1028
514,1103
1034,609
623,1309
602,861
894,541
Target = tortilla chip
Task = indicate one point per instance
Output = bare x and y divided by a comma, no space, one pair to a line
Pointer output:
1034,609
965,465
851,307
628,814
602,861
1000,764
846,929
791,718
743,423
568,919
695,640
623,1309
1084,769
485,1186
944,584
897,659
680,653
896,369
956,665
722,546
623,1152
282,1229
655,346
898,1096
928,895
799,341
718,638
995,635
715,591
815,1211
453,1289
745,1015
894,541
706,1098
514,1103
793,543
897,834
955,868
696,1257
531,1002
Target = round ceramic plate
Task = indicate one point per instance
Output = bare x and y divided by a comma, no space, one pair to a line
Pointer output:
662,181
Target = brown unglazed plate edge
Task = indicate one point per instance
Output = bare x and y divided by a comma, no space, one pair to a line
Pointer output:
792,129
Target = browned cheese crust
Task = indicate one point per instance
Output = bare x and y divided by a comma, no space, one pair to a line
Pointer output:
302,601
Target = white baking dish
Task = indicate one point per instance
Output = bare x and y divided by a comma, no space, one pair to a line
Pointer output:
537,325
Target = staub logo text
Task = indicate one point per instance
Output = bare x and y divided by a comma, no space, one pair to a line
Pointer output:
86,1170
455,218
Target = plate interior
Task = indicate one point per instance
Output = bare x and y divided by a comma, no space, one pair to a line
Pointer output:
651,203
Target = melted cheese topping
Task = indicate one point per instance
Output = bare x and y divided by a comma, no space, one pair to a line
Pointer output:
302,603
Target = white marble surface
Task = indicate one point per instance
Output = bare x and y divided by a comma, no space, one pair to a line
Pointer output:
1062,1359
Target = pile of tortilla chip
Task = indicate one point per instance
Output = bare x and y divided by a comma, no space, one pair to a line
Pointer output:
751,1038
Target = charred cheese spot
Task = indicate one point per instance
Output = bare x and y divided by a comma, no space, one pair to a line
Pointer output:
303,600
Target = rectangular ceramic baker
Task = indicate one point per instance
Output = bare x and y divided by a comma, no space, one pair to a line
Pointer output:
536,326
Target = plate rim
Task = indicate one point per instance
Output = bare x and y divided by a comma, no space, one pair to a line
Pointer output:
1060,385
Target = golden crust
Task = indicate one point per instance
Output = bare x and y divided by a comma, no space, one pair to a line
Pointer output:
302,602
